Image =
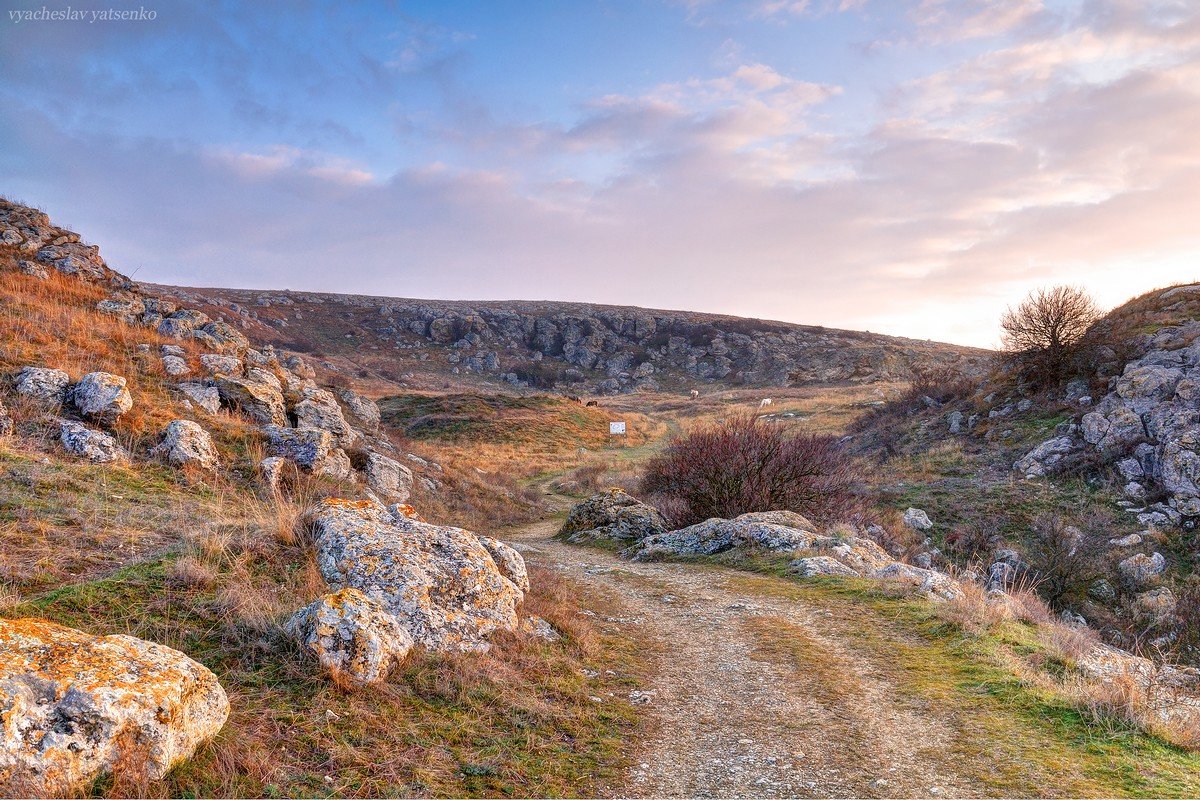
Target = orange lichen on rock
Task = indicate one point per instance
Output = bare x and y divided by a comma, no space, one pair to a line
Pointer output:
72,705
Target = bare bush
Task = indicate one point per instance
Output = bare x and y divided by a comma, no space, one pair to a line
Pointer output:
1065,559
1043,335
747,465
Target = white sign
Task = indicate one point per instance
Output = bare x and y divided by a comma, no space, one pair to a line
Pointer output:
616,428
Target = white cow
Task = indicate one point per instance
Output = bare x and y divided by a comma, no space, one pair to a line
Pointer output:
693,394
766,401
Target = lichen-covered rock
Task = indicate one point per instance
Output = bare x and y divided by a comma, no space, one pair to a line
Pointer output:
186,444
270,472
206,397
767,531
440,582
930,583
1141,570
226,336
319,409
43,384
310,449
539,628
1046,458
73,705
355,637
101,396
218,364
820,565
260,401
175,366
96,446
363,410
508,560
917,519
388,476
612,515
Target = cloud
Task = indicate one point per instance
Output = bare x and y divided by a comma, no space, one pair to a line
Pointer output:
1063,152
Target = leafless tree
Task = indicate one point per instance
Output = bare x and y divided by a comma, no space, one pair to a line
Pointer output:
1042,335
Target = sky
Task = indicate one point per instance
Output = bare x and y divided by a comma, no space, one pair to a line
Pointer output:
905,168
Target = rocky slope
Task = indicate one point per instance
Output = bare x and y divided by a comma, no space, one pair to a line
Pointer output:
580,347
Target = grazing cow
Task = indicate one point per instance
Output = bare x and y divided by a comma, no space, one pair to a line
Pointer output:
591,403
766,401
574,399
693,394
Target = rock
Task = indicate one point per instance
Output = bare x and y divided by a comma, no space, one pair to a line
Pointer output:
310,449
175,366
440,582
270,472
217,364
1102,591
1145,386
1115,431
186,444
261,402
1155,606
1072,620
930,583
1046,458
820,565
508,560
1001,576
954,421
320,410
363,410
1179,464
96,446
540,629
389,477
1131,469
6,421
74,705
1132,540
353,636
1140,570
923,560
226,336
918,520
33,269
614,516
101,396
48,386
756,530
206,397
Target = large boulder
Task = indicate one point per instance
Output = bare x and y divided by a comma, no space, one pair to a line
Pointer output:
772,530
932,584
440,582
508,561
258,400
186,444
97,446
45,385
388,477
101,396
226,336
74,705
355,637
613,516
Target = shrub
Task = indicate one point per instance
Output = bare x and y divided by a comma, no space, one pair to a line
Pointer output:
747,465
1065,559
1044,334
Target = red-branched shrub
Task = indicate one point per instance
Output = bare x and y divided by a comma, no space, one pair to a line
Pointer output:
746,465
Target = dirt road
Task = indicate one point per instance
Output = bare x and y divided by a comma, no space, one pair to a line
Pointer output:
756,695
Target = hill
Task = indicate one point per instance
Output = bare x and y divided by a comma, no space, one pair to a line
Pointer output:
574,347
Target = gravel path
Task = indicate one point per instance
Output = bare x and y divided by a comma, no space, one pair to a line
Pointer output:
733,718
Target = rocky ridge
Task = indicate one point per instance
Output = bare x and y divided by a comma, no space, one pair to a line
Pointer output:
593,348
